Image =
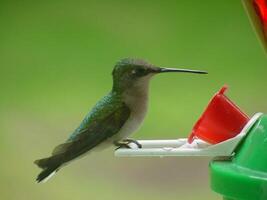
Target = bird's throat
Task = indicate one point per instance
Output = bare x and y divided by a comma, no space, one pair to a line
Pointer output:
137,93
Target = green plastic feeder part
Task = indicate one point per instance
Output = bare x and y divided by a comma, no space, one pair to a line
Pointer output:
244,177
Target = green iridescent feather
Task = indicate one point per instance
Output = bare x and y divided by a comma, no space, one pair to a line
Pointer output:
105,120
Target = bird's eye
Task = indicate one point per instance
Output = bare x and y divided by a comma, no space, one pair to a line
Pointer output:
140,72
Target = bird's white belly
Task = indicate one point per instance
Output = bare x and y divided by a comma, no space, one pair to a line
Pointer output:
135,120
130,126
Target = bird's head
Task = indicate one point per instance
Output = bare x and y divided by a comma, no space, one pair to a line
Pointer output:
134,73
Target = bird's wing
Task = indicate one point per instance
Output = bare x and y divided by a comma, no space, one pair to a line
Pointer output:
97,132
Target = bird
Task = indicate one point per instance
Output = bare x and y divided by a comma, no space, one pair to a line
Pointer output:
113,119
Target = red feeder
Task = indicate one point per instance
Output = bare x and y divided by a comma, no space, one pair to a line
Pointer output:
261,10
221,120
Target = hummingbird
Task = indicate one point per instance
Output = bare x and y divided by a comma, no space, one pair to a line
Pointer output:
113,119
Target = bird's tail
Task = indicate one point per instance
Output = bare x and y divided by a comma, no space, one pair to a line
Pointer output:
49,165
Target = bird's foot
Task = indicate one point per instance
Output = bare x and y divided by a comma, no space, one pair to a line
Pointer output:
133,141
126,143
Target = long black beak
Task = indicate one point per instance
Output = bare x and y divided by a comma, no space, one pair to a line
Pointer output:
163,70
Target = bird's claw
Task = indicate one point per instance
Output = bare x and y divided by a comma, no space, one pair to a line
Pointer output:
126,143
134,141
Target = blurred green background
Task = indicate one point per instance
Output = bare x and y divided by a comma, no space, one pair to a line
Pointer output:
56,59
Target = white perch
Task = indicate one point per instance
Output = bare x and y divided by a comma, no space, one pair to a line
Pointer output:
180,147
162,143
